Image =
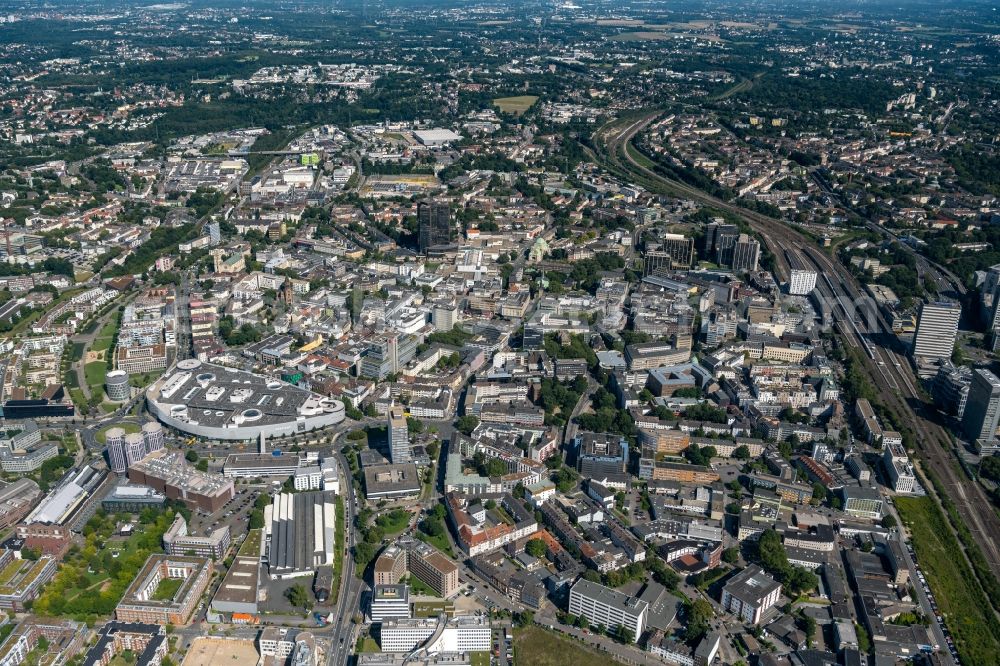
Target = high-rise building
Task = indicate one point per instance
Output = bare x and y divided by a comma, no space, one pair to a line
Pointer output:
672,250
387,354
135,448
937,328
982,409
434,220
989,290
746,254
152,433
215,233
444,317
802,278
399,436
717,235
117,460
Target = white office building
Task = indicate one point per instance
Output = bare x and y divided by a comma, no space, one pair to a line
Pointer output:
610,608
463,633
937,328
801,282
389,602
399,436
750,593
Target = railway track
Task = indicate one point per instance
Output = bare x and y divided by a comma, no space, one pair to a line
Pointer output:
887,367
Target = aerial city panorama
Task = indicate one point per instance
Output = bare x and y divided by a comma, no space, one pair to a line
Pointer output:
499,333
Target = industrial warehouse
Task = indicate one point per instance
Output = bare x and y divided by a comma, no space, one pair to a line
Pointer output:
300,533
215,402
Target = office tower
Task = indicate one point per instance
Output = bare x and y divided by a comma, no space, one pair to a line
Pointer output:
117,460
671,251
936,330
982,409
679,247
724,237
746,254
135,448
434,220
444,317
802,279
399,436
152,433
214,233
989,291
801,282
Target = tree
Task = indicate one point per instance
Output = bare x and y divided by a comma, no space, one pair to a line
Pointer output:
889,522
191,456
808,625
625,635
524,618
256,520
731,555
466,424
535,548
297,596
699,614
742,452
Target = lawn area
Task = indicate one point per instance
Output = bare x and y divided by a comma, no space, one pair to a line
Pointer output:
102,434
109,407
367,644
95,371
166,589
479,658
534,646
962,603
418,586
77,396
144,380
440,542
394,522
515,105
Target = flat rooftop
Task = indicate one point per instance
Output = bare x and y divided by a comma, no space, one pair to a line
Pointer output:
241,582
214,396
207,650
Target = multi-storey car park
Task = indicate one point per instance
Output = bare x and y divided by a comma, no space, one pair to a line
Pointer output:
215,402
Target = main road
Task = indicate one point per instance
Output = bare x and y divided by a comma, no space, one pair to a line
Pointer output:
886,365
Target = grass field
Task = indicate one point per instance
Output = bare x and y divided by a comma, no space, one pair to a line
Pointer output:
95,372
439,542
166,589
962,603
534,646
77,396
394,522
419,587
515,105
367,644
479,658
102,434
104,338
